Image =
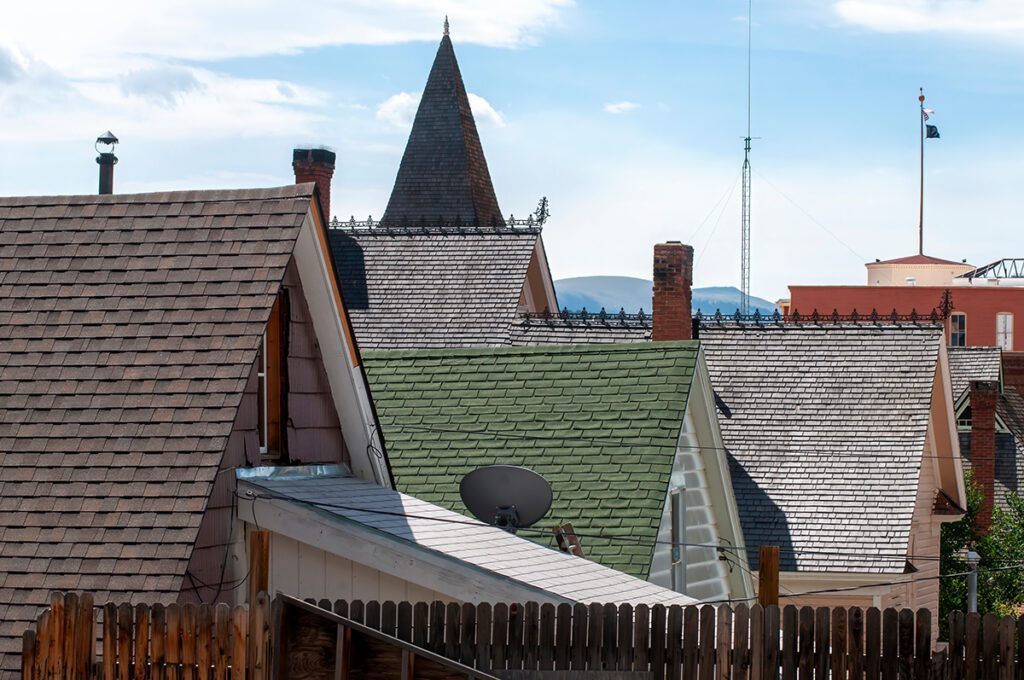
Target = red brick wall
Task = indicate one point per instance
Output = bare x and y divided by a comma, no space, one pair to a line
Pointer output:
983,446
673,280
316,165
980,304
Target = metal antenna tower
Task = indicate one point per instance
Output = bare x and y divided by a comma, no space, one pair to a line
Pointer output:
745,209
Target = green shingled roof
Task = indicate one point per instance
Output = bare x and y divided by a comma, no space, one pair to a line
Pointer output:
600,422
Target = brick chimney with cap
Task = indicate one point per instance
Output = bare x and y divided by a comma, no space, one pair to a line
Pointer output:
673,279
984,394
316,165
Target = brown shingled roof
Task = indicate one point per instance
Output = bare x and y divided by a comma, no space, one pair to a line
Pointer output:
128,327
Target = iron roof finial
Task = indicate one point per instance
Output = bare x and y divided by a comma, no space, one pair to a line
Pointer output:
446,24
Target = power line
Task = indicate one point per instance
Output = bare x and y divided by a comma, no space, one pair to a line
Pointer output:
811,217
620,539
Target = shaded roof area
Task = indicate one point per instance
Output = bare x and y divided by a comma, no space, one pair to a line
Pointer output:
128,328
600,422
416,524
432,287
443,173
919,259
825,429
973,363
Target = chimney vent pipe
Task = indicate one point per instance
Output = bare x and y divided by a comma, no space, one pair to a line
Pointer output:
106,160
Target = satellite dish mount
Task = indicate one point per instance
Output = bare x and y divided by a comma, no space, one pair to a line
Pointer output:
506,496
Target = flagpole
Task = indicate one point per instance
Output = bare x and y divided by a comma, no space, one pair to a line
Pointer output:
920,224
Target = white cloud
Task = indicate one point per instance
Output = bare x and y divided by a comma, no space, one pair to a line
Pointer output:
71,69
164,85
620,107
398,110
985,18
482,110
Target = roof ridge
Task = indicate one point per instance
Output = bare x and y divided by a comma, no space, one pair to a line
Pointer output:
184,195
512,350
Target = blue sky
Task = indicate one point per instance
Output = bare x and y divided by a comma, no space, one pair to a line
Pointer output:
627,116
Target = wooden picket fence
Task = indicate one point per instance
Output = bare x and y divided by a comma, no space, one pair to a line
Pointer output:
703,642
76,640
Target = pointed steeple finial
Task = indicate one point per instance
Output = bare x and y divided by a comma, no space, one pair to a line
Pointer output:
446,24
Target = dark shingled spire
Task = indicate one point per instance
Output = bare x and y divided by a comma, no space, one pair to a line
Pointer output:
443,172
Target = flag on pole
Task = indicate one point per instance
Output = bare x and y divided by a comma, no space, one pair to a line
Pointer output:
931,132
927,112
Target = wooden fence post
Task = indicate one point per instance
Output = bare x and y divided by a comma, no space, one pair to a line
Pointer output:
768,576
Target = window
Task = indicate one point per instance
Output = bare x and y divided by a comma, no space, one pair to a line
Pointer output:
1004,331
677,514
963,421
958,330
270,386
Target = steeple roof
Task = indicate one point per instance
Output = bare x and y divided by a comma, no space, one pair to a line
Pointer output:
443,172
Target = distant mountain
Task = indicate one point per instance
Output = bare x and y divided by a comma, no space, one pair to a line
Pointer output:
625,292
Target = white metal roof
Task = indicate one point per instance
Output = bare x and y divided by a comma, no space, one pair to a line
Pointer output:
329,497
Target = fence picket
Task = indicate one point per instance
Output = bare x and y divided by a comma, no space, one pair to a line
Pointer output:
389,618
563,637
855,644
757,642
140,648
124,641
706,654
499,641
239,642
516,616
221,636
771,641
822,642
436,640
546,641
452,628
403,627
467,643
675,639
741,642
873,642
805,665
691,630
839,642
531,633
158,641
189,623
609,629
204,638
659,629
172,641
972,644
989,645
483,636
723,667
890,644
578,658
70,623
43,660
595,636
420,624
624,638
641,637
923,646
1006,648
789,642
372,614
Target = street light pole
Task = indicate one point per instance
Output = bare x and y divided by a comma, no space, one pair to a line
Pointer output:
973,559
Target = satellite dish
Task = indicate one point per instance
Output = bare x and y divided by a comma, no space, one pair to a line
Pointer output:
506,496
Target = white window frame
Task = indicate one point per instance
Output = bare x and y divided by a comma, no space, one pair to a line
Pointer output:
677,524
952,329
263,406
1004,338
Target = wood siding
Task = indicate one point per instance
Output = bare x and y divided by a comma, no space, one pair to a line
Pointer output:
313,435
305,571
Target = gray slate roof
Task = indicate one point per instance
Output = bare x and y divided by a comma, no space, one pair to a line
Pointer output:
443,172
430,527
434,288
973,363
128,328
825,429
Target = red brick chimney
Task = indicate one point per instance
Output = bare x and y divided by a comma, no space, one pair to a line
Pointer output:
984,394
673,279
316,165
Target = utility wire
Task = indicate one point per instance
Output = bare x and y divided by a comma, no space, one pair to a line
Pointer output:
621,539
811,217
724,197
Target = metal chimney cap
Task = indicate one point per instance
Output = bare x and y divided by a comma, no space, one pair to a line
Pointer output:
107,137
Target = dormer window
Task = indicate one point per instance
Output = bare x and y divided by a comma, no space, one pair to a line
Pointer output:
270,386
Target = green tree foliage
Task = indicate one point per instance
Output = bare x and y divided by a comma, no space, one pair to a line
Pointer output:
1000,576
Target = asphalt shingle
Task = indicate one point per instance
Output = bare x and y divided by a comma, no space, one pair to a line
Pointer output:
128,327
600,422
